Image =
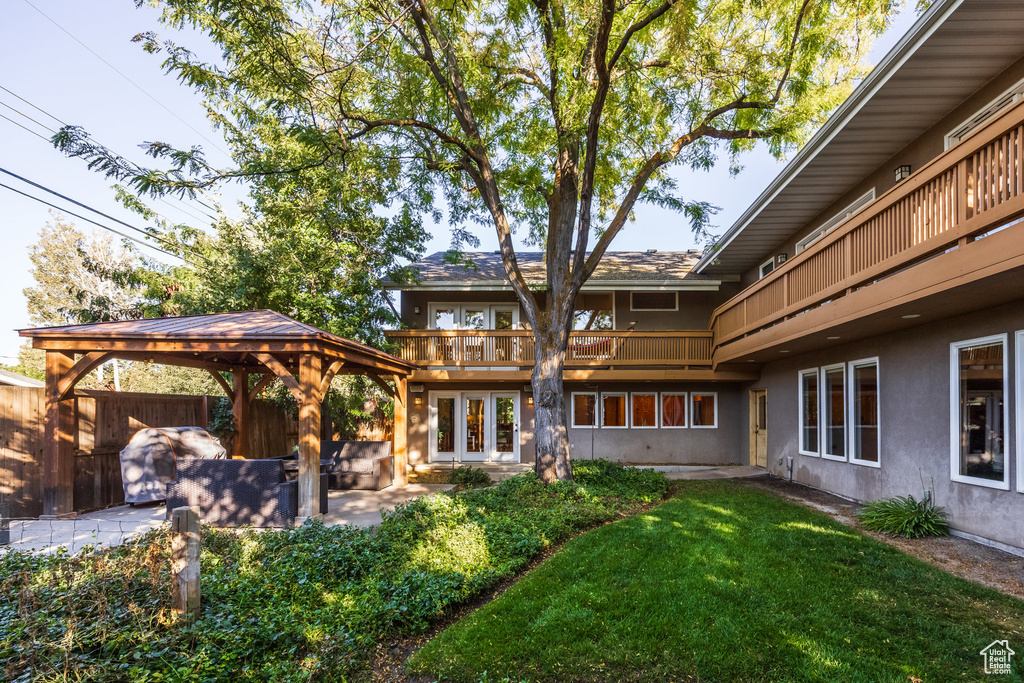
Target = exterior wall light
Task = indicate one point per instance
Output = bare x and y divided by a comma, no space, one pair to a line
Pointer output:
416,310
902,172
781,258
529,400
418,400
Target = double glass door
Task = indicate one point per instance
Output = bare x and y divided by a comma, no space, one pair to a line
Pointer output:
474,426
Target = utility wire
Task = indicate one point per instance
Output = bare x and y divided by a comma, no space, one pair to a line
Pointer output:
122,75
25,128
105,227
146,233
37,108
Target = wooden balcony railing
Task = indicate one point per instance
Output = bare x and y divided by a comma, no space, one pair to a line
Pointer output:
515,348
970,189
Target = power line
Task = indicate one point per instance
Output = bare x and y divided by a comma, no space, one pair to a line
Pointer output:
36,107
21,113
105,227
122,75
25,128
146,233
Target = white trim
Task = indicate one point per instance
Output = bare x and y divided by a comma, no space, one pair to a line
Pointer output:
597,409
432,454
460,308
686,409
929,21
625,409
983,115
760,269
689,404
954,412
657,409
851,451
981,540
661,310
809,372
710,285
1018,426
824,408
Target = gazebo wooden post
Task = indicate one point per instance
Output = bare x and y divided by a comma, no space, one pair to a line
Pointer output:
401,435
240,411
58,448
310,378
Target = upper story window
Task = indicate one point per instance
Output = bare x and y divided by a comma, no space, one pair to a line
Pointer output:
985,114
833,222
653,301
473,316
594,312
766,267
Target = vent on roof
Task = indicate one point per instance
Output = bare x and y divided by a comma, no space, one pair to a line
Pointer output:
652,251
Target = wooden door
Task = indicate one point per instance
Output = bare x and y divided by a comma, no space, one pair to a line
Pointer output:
759,427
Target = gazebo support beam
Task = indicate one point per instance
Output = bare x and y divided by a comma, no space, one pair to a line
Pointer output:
310,379
58,447
240,411
401,431
228,391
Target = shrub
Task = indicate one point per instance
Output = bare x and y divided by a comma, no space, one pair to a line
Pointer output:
291,605
469,477
906,517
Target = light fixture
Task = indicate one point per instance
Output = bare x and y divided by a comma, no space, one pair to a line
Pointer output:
416,310
902,172
911,316
418,400
782,258
529,400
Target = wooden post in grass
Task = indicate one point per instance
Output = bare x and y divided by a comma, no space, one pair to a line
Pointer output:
185,543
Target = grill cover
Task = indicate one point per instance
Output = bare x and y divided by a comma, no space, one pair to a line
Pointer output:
147,462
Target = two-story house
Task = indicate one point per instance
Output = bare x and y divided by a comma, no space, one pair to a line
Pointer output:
860,328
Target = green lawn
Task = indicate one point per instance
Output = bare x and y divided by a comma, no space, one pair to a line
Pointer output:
725,583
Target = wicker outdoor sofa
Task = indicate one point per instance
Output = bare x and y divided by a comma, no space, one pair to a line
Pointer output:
364,465
238,492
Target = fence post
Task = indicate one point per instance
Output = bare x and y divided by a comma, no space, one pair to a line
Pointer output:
185,542
5,523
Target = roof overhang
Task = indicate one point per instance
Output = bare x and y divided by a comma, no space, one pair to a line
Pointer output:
695,285
953,49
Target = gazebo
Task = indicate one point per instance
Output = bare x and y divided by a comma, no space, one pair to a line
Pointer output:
262,342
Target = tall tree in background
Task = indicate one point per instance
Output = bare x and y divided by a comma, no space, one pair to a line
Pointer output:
554,117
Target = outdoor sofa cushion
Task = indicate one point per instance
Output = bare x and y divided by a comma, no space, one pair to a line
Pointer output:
364,465
238,492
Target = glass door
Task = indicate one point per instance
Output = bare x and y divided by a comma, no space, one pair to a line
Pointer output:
444,427
475,432
505,430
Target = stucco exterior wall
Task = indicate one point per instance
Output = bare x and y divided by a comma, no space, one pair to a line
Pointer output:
914,400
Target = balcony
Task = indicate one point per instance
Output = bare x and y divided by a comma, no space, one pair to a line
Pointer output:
920,239
492,354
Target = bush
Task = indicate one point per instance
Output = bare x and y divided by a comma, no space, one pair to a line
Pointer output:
291,605
906,517
469,477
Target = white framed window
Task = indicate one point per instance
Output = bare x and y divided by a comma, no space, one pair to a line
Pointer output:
810,441
1019,345
833,412
654,301
765,268
704,410
978,412
864,419
985,114
473,316
673,410
643,410
832,223
584,409
614,413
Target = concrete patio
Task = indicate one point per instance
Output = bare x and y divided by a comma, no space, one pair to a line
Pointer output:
113,526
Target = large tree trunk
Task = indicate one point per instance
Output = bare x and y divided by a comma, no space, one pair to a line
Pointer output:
550,433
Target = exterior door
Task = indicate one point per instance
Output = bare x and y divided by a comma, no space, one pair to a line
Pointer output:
505,427
759,428
445,426
474,432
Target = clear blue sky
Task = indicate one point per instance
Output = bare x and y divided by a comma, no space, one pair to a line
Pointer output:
44,65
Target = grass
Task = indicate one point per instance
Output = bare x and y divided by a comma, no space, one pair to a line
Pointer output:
726,583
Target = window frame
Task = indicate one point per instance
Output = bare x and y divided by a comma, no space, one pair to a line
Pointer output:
954,412
808,372
433,454
674,294
625,407
597,409
836,220
984,115
686,409
850,450
761,274
689,409
657,409
823,415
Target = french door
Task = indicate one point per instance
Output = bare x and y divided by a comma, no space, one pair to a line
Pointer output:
474,426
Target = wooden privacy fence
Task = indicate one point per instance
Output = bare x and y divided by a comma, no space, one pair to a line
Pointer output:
104,423
972,188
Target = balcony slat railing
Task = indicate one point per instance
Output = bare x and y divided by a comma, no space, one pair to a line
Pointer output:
516,348
970,189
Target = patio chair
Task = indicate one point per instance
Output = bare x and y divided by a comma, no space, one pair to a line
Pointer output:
363,465
238,492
